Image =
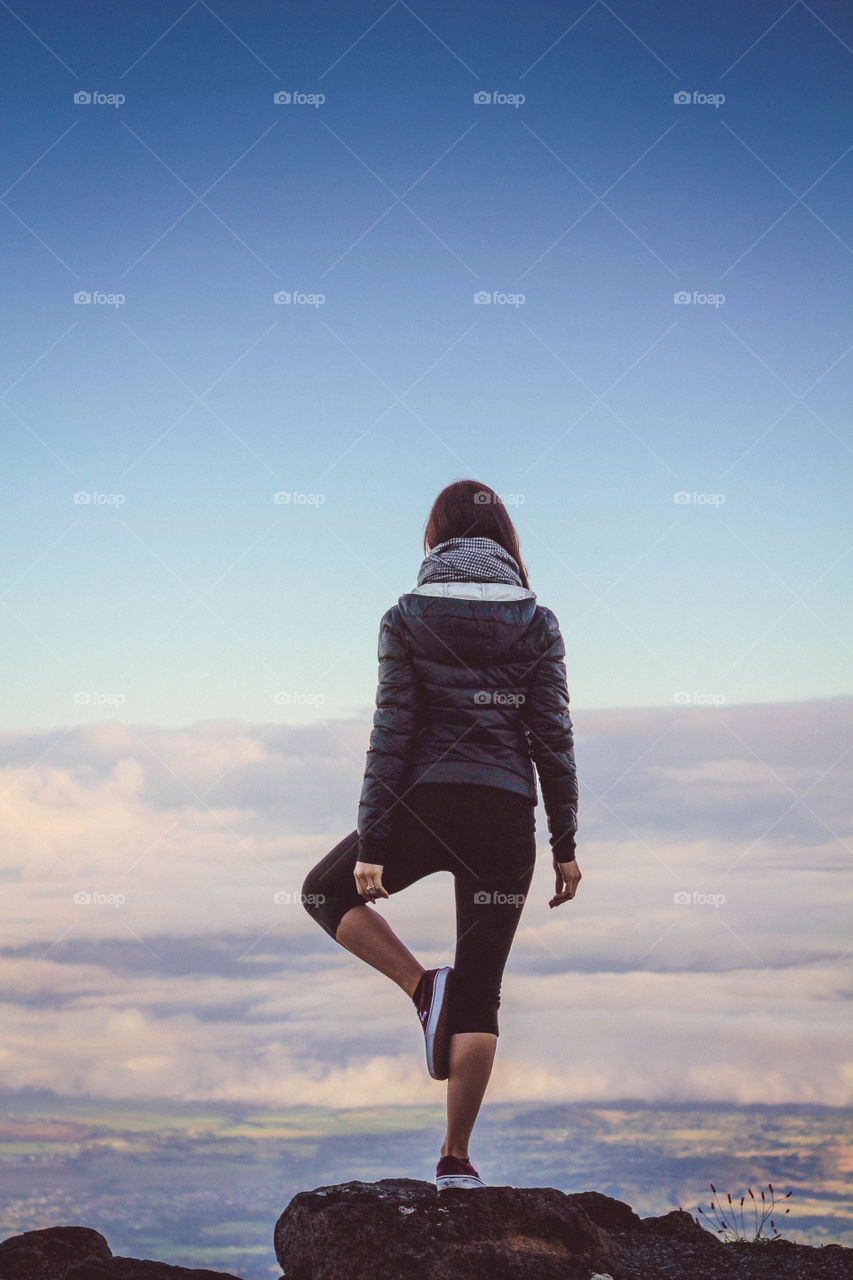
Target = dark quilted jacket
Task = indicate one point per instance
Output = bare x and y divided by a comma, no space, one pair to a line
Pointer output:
470,690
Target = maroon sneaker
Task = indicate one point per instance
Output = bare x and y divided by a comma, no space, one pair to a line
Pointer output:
452,1172
434,1013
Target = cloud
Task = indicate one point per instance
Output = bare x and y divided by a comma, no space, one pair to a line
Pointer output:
705,957
357,1041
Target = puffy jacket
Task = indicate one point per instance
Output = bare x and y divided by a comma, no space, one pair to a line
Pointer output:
472,688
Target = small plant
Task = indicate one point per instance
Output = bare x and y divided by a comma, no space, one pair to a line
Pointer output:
725,1220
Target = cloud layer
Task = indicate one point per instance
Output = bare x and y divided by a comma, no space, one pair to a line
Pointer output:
707,955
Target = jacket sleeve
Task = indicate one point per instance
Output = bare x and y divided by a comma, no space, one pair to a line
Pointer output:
546,719
395,723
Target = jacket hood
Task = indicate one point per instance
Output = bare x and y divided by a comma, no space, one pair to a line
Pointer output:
471,621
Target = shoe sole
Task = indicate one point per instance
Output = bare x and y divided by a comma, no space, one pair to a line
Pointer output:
458,1181
437,1039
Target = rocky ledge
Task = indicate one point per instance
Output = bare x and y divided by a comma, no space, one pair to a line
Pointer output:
401,1229
81,1253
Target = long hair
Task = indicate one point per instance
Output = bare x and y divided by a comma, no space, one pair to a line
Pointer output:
468,509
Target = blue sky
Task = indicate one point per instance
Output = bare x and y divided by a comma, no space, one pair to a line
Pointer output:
590,404
191,665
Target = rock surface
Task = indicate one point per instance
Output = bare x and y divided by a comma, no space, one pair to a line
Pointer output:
81,1253
400,1227
47,1254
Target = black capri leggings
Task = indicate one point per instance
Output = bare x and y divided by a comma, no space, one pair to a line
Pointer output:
485,836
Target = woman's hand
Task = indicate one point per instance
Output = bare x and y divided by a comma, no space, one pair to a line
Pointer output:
368,880
568,877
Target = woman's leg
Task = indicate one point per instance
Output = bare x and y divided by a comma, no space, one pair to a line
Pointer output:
368,935
330,896
491,889
485,934
485,929
471,1056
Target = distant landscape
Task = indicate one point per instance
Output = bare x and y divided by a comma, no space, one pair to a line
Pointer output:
202,1185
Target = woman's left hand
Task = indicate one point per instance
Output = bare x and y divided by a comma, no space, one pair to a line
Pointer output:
368,880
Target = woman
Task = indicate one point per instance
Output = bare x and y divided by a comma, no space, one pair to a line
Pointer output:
472,693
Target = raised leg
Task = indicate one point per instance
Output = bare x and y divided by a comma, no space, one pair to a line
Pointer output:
368,935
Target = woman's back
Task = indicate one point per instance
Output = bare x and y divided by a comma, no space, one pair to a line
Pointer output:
472,689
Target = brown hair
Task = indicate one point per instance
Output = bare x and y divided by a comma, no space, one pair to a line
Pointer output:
468,509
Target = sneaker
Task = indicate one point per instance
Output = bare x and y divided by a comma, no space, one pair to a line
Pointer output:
434,1013
452,1173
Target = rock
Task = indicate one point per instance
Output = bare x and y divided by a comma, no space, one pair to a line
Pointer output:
401,1227
680,1225
47,1254
80,1253
611,1215
117,1268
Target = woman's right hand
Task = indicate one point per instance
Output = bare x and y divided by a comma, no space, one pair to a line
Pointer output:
567,879
368,880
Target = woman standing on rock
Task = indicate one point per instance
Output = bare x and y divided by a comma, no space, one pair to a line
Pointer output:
472,692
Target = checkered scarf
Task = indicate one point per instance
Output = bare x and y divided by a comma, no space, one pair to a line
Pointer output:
469,560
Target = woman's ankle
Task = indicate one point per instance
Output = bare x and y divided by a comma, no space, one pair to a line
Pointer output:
413,990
